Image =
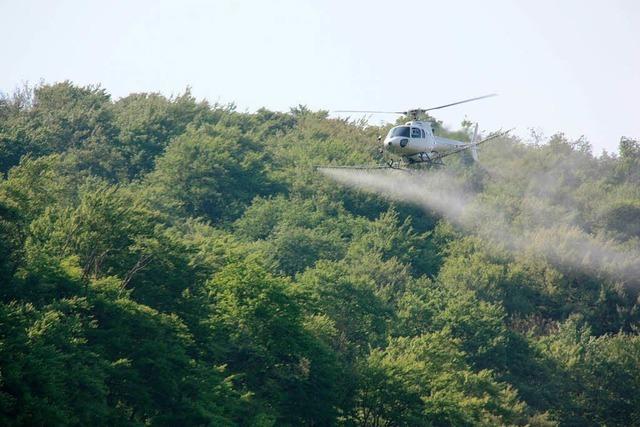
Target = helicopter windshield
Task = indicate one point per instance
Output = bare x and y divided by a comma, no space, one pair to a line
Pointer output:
400,131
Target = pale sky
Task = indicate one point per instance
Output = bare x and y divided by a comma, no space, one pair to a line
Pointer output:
571,66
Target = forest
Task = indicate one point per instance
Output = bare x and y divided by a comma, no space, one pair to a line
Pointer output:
166,261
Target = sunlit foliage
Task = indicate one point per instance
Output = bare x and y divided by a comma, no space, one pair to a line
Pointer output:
165,261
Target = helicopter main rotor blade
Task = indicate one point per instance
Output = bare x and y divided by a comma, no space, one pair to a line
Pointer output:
460,102
417,110
367,111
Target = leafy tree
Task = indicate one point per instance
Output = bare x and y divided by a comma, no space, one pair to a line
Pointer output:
65,118
153,377
390,238
426,307
293,249
147,122
622,218
50,373
597,375
11,236
209,172
425,381
257,321
627,167
100,230
351,300
38,183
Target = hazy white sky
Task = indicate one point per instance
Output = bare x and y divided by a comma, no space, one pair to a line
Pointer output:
570,65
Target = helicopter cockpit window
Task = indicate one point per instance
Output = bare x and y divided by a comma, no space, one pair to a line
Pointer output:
415,132
400,131
422,130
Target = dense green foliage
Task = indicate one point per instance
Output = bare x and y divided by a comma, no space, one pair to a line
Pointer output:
164,261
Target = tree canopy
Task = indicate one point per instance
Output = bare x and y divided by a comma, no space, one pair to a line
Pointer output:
166,261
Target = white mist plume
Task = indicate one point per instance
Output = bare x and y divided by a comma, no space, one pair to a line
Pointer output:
548,234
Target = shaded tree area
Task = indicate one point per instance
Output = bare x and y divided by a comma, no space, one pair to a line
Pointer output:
165,261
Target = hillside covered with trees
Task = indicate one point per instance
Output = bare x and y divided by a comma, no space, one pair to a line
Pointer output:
165,261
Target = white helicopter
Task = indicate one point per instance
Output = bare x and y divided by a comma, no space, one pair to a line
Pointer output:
415,142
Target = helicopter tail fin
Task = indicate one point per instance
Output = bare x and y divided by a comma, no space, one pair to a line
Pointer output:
474,146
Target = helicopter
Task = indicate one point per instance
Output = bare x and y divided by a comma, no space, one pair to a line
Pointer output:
415,143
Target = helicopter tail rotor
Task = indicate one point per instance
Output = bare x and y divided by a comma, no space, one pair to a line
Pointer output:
474,146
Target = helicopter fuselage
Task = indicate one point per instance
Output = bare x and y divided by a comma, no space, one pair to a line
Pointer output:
416,142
